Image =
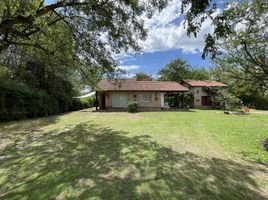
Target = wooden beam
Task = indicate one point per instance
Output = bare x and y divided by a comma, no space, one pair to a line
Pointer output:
97,100
182,99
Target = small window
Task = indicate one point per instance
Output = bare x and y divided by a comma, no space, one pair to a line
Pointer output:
197,91
197,100
146,97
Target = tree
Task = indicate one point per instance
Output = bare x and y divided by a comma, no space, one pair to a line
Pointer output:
55,76
251,91
143,77
242,62
251,16
244,53
96,29
179,69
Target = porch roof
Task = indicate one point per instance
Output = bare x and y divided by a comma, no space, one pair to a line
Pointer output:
204,83
134,85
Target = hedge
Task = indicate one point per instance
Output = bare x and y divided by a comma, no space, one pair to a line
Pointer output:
18,101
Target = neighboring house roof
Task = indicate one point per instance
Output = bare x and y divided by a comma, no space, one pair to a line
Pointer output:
204,83
134,85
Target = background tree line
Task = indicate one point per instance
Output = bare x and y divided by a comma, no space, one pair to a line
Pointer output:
238,47
49,51
248,90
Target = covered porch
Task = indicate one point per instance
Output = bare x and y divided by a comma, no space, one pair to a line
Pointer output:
168,100
173,100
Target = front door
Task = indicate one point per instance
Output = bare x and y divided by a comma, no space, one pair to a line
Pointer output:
119,100
206,101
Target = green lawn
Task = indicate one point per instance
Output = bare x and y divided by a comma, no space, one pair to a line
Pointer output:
149,155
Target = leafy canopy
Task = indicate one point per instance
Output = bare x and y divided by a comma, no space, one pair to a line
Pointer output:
180,69
96,30
244,52
143,76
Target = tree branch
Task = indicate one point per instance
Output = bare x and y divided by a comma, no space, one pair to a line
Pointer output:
7,24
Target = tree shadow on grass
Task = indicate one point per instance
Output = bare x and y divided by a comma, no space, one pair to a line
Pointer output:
27,125
89,161
23,131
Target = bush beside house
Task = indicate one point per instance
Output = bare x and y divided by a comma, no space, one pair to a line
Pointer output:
132,106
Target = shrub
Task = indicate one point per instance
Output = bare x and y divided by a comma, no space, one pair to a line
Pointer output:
78,104
132,106
18,101
87,102
189,99
226,100
90,101
261,102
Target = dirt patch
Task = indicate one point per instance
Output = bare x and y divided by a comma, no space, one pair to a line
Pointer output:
134,116
106,176
4,143
263,112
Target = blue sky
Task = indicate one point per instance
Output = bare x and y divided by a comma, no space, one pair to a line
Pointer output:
152,62
167,40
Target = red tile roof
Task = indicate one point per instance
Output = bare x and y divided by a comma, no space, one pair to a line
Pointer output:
134,85
203,83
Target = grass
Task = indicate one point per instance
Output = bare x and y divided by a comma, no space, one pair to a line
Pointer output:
202,154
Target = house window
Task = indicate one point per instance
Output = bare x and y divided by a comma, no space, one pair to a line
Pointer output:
146,97
197,91
197,100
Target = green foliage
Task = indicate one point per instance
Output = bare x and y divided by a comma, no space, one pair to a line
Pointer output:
257,101
132,106
143,77
248,17
91,101
77,104
18,101
180,69
244,51
150,156
223,98
76,32
261,102
50,84
189,99
5,73
252,92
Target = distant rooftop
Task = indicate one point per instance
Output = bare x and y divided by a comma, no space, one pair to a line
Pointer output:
134,85
204,83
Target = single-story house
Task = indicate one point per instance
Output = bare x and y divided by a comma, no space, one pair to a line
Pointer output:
149,94
202,96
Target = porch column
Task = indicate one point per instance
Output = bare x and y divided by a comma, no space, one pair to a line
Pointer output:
182,99
162,99
97,100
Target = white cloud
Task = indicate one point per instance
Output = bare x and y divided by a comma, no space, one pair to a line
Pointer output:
166,31
129,75
174,37
129,67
